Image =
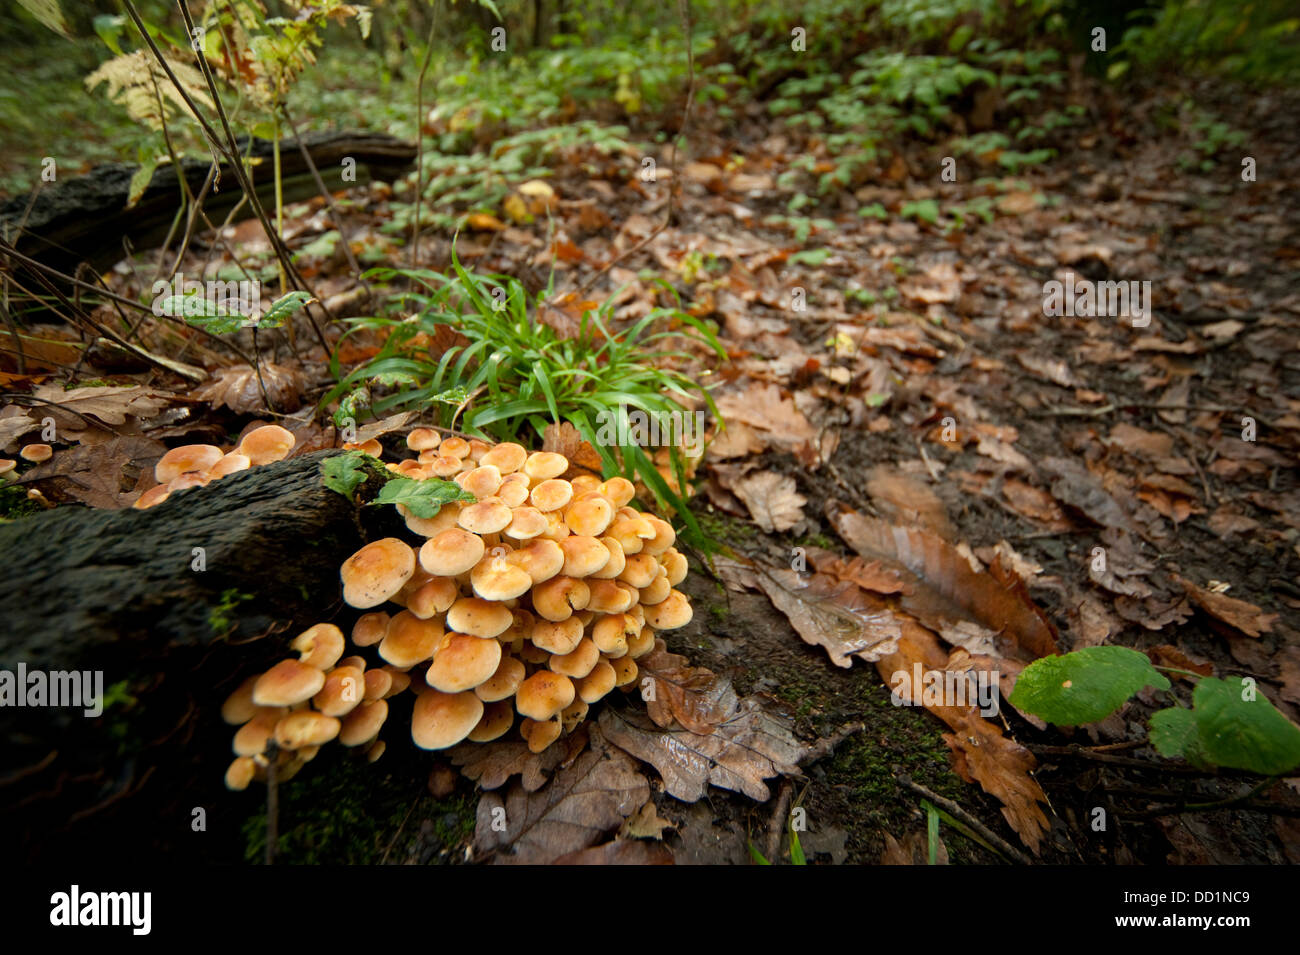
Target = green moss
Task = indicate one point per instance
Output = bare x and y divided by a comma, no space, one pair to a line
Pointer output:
723,529
220,617
14,504
340,810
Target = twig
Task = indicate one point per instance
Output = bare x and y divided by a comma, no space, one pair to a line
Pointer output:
272,803
419,135
955,810
776,823
824,747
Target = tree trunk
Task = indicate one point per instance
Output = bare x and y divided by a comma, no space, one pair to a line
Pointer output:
119,592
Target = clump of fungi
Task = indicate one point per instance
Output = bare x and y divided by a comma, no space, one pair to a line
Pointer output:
535,600
195,465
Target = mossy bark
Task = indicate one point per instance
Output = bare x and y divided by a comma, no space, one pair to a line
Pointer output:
122,592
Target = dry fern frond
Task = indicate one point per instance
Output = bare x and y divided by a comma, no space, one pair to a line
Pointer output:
136,81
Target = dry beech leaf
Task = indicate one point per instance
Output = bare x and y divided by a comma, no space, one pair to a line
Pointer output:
619,852
237,388
1237,614
772,499
110,404
645,824
751,745
492,764
693,697
870,575
101,475
988,613
1075,486
739,440
565,439
585,800
761,406
376,429
830,613
902,499
981,754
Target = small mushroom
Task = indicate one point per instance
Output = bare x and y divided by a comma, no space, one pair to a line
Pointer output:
544,695
266,444
440,720
287,683
376,572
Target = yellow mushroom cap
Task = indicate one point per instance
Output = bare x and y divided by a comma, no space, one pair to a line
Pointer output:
640,570
495,578
598,683
543,695
526,523
557,637
445,466
363,723
610,596
583,556
376,572
479,618
502,684
664,536
155,495
617,560
641,644
557,599
239,707
266,444
551,495
378,683
287,683
625,671
240,773
423,439
675,564
612,632
619,490
252,737
454,447
496,721
306,728
657,591
540,734
631,533
585,484
463,662
507,456
442,719
371,446
231,463
574,714
188,457
671,613
453,551
410,640
36,453
485,517
483,481
578,662
432,597
513,491
431,526
344,690
541,559
370,628
189,479
321,646
589,517
544,465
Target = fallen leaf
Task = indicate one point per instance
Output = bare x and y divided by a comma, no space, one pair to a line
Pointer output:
645,824
565,439
830,613
1237,614
237,388
585,800
693,697
903,499
870,575
762,407
947,592
772,499
1076,487
101,475
739,440
751,745
492,764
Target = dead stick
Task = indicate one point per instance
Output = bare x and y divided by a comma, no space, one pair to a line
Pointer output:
950,807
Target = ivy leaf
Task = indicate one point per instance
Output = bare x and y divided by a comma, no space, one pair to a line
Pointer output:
1084,686
422,498
282,308
1239,728
345,473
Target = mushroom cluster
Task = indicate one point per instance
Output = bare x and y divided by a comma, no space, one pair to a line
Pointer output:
194,465
536,600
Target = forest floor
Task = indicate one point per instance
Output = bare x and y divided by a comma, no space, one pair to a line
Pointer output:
883,362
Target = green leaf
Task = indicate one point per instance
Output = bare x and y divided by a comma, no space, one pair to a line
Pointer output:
282,308
201,311
810,257
1174,734
422,498
140,181
1084,686
49,13
1239,728
345,473
796,850
927,210
756,855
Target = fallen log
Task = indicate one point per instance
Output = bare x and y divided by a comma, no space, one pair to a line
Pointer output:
174,605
